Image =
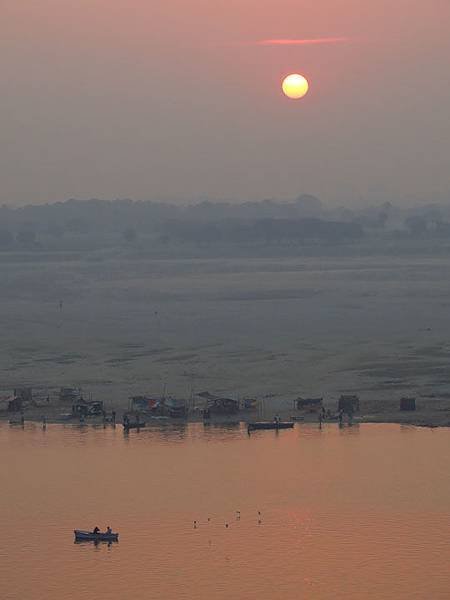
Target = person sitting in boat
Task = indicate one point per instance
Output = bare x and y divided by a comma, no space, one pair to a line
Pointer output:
108,530
96,530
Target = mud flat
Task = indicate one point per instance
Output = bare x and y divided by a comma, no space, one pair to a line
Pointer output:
273,328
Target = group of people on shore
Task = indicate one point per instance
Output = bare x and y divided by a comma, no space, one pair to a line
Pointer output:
325,414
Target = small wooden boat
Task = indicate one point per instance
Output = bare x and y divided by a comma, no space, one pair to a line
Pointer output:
89,536
270,425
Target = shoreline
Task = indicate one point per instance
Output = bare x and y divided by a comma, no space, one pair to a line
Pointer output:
419,419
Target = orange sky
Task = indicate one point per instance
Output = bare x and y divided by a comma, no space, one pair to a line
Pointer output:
115,98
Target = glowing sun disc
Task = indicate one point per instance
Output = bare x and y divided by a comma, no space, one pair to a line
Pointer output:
295,86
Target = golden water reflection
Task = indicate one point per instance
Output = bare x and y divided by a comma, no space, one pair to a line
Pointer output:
360,512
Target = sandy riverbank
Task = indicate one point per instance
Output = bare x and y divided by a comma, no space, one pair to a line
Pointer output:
425,416
268,328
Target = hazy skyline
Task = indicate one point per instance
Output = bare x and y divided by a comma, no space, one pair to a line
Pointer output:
182,100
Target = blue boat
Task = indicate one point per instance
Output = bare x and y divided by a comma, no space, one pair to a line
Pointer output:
90,536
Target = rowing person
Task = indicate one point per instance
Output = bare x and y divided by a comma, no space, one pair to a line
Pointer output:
96,530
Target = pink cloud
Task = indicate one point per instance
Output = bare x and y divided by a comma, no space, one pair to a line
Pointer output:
302,42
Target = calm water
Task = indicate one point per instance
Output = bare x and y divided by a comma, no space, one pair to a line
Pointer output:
356,513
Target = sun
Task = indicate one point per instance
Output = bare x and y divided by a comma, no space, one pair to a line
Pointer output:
295,86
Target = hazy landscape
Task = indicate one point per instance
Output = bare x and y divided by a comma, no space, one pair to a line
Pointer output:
224,300
123,316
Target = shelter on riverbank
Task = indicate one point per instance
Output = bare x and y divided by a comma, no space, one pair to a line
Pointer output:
93,408
349,403
408,404
70,395
311,404
176,408
219,405
22,397
145,404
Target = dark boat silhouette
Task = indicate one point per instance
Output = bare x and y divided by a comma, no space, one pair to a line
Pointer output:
89,536
270,425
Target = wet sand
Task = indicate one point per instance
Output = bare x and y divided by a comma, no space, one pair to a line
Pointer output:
269,328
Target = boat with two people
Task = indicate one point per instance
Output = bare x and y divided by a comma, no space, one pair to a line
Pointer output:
96,535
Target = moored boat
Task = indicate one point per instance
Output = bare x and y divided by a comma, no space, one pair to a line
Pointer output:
270,425
133,425
90,536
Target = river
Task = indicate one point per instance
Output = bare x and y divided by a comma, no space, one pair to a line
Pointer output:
360,512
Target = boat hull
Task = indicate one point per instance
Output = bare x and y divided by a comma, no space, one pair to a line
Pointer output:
270,425
129,426
88,536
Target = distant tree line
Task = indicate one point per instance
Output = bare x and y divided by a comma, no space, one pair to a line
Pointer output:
266,231
303,220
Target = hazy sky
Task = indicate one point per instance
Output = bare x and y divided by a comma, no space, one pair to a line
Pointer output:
152,99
